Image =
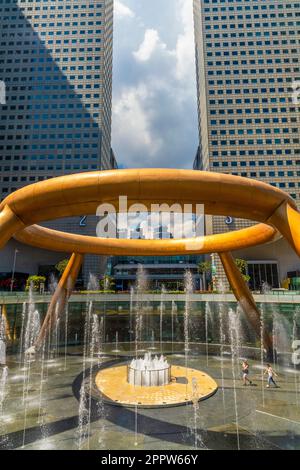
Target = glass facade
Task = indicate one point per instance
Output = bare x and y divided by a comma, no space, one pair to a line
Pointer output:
248,58
56,63
247,55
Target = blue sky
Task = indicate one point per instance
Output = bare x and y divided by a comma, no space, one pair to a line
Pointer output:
154,84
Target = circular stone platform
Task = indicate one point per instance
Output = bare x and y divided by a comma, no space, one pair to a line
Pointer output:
112,383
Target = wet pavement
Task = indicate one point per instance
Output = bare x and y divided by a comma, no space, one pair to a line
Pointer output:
251,417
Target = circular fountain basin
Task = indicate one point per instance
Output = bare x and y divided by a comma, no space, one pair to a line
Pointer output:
113,387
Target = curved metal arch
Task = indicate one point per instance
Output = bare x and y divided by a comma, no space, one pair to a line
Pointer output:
221,194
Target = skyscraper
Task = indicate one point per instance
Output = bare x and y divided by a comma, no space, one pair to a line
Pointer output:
247,57
56,63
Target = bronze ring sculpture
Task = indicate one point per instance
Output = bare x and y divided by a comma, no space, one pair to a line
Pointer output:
221,194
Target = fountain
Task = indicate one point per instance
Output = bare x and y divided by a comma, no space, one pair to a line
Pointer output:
188,284
31,330
222,338
31,327
198,440
141,287
235,346
152,347
3,392
281,338
52,285
2,340
149,372
262,351
161,315
66,334
116,350
177,379
207,319
173,315
294,360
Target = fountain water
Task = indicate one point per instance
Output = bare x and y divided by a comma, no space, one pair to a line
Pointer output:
66,334
31,326
281,338
222,313
3,393
294,339
152,347
188,283
149,371
31,331
22,333
101,412
161,316
2,340
235,347
116,350
94,349
173,315
83,417
262,350
141,287
56,337
131,313
91,339
42,380
198,440
52,285
208,318
91,336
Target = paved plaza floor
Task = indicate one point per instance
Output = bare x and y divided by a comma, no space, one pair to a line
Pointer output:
251,417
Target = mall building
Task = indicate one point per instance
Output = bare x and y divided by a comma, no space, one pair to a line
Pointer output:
247,59
56,63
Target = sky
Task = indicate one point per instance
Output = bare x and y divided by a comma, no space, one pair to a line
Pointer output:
154,84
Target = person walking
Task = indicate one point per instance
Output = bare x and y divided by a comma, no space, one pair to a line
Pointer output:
245,372
271,374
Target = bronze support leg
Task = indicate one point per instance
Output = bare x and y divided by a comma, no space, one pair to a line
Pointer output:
244,297
60,297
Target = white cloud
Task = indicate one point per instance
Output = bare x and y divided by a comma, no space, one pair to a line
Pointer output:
132,120
150,44
122,11
154,100
185,48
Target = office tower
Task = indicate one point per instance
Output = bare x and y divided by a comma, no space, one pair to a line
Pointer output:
247,58
56,63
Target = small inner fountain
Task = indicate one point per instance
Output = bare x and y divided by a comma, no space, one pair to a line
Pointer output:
149,371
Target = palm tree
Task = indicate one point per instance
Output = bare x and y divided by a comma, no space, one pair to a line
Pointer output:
203,269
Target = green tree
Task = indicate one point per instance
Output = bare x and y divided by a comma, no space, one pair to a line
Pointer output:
243,268
204,268
107,283
35,282
61,266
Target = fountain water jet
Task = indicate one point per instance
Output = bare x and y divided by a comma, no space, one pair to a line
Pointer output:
188,283
234,346
173,314
2,340
149,371
3,393
262,350
222,312
198,440
208,317
161,315
141,287
294,339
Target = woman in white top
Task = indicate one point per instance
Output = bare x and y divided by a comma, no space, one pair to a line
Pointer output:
271,374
